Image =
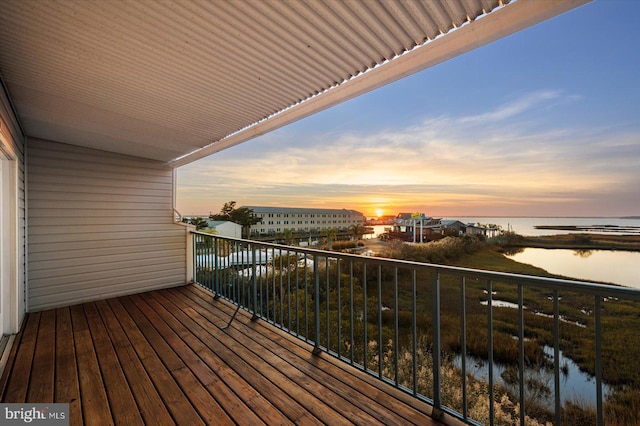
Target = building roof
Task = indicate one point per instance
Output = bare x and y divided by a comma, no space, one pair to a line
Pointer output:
177,81
301,210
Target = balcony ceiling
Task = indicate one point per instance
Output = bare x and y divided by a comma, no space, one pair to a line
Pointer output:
176,81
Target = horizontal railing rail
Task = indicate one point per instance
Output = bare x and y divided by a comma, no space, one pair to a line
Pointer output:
421,327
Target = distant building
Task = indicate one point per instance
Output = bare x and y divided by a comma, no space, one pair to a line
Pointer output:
414,223
276,219
382,220
482,230
225,228
416,227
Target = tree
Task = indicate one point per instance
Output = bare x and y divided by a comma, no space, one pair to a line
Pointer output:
331,235
287,235
198,222
357,231
243,216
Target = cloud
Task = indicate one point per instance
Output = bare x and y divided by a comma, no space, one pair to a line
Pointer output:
514,108
500,157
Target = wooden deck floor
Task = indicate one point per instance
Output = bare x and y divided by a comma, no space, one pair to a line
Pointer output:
160,358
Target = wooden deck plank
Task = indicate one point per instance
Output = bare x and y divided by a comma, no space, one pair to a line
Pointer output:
174,399
176,335
279,409
152,408
204,403
95,406
260,374
42,389
17,386
319,367
67,382
123,406
161,358
330,402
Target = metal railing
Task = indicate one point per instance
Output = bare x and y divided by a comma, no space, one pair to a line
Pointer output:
425,328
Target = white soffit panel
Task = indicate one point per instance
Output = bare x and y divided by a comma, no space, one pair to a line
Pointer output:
176,81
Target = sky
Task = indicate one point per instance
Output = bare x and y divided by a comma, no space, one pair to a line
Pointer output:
545,122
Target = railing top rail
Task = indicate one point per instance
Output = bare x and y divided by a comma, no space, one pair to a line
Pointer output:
596,289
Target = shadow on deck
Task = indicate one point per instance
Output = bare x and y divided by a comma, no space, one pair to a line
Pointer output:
160,358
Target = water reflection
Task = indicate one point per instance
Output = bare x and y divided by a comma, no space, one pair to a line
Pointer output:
610,266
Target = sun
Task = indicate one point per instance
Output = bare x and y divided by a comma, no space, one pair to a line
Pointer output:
379,212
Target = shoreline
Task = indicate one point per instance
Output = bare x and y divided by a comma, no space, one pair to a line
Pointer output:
580,241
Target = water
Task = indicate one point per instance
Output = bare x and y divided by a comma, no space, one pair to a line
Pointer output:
526,225
575,385
609,266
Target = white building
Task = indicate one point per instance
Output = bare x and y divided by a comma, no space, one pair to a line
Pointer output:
276,219
225,228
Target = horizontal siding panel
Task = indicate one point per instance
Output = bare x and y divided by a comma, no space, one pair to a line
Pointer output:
100,225
117,288
98,220
78,167
80,188
80,280
54,253
53,170
129,261
89,244
90,205
98,237
141,198
62,180
91,229
77,154
51,214
74,265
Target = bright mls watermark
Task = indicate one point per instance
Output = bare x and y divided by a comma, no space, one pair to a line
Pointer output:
39,414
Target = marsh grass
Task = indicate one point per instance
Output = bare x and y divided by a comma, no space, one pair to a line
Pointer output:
620,322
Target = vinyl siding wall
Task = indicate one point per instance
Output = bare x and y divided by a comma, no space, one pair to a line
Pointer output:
99,225
13,137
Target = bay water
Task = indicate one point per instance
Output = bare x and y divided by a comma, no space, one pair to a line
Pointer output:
608,266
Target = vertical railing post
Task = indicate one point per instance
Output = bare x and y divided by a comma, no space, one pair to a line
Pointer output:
556,356
254,281
414,328
490,349
365,336
521,351
380,355
339,304
395,327
327,306
352,340
435,321
215,279
463,344
598,364
316,304
191,257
